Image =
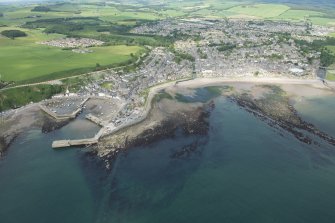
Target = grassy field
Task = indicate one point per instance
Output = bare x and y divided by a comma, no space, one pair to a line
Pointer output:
206,8
280,12
18,15
23,59
13,98
331,69
293,14
323,21
260,10
332,48
317,18
213,13
331,75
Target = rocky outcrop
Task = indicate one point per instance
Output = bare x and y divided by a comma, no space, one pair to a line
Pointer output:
188,122
275,109
49,124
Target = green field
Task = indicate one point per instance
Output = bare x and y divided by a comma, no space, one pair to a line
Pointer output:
280,12
332,48
331,75
23,58
323,21
109,13
317,18
16,97
293,14
213,13
260,10
331,69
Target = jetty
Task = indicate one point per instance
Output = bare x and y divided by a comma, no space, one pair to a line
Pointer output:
95,120
77,142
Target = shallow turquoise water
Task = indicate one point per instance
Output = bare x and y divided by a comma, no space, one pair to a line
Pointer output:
242,171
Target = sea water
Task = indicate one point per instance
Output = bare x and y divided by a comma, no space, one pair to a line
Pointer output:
242,171
39,184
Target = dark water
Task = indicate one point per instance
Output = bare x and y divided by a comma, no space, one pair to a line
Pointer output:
38,184
242,171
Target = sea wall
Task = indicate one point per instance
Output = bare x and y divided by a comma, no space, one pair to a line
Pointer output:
165,118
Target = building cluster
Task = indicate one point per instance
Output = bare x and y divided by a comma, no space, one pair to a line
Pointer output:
73,42
271,59
215,48
243,48
130,89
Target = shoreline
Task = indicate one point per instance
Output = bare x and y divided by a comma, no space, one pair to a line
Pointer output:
204,82
132,132
316,84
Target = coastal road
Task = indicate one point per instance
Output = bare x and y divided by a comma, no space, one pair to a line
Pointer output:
59,80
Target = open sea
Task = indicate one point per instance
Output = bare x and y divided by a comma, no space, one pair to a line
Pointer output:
242,171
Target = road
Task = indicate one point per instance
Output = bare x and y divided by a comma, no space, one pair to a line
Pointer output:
59,80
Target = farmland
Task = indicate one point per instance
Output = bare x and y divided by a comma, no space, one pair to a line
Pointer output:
294,14
38,60
260,10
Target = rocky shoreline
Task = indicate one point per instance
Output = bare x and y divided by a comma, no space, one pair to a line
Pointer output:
30,118
270,103
5,141
50,124
277,111
192,119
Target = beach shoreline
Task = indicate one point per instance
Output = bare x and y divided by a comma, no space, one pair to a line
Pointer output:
30,115
293,88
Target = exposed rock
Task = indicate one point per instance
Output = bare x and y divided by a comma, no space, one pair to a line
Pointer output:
50,124
275,109
189,121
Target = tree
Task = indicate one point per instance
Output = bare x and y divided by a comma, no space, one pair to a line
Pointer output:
13,33
97,66
326,58
41,9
